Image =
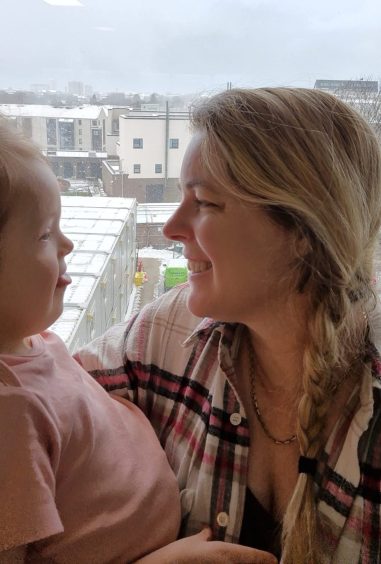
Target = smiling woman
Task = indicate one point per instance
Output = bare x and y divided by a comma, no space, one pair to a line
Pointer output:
270,409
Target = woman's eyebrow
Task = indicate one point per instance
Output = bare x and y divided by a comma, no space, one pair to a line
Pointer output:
196,182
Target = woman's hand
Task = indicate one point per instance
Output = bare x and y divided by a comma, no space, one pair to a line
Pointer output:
200,549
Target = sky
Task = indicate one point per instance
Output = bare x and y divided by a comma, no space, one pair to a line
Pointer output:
187,46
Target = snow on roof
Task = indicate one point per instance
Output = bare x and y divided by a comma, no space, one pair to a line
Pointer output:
79,154
32,110
155,213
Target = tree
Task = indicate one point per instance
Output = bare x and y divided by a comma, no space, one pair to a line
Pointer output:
365,100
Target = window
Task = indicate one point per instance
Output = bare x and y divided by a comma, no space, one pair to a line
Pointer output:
79,131
80,141
94,122
66,135
96,139
68,169
158,168
137,143
115,127
51,131
154,193
174,143
79,122
27,127
136,168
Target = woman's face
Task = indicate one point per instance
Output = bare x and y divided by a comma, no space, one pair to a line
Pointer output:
239,260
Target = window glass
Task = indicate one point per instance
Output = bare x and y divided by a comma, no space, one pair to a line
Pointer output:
136,168
158,168
66,134
51,131
137,143
173,143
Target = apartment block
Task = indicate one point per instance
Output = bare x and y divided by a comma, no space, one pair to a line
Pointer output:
150,150
74,139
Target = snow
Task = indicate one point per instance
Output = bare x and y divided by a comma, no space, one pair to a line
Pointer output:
150,252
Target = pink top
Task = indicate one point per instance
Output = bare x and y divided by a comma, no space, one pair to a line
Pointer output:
83,476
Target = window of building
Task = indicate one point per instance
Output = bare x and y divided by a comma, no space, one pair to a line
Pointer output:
51,131
68,169
79,122
66,134
115,126
137,143
81,170
80,141
174,143
154,193
158,168
96,139
94,122
27,127
136,168
79,131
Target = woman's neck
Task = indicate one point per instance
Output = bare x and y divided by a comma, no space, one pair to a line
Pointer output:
279,343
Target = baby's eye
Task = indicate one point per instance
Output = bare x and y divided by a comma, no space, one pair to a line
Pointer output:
45,236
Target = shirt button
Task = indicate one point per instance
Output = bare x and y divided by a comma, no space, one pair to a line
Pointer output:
235,419
223,519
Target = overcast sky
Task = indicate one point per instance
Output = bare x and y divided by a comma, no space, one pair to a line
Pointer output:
178,46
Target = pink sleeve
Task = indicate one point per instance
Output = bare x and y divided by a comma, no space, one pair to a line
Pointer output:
28,440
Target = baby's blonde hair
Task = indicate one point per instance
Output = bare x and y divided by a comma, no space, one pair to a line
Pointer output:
314,165
15,154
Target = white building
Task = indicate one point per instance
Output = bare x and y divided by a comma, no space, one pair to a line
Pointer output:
151,149
74,139
102,266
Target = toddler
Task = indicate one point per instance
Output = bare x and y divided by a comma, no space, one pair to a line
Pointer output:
83,477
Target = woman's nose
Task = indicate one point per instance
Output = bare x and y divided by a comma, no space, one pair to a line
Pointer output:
176,227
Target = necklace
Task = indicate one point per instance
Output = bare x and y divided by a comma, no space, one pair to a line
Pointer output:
254,401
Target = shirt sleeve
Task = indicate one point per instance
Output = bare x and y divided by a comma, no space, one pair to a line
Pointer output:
28,443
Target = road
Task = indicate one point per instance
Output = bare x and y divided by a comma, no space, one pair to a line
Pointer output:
153,286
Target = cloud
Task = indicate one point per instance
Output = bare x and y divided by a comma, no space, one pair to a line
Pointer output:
75,3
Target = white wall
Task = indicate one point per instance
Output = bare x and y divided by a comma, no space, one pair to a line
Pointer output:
152,131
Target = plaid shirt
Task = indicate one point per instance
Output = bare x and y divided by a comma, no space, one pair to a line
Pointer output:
178,369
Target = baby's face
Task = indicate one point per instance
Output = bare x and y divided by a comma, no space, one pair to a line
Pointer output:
32,260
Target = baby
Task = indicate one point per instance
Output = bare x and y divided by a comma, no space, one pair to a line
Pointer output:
83,477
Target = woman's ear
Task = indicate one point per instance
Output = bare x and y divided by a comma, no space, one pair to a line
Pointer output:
302,245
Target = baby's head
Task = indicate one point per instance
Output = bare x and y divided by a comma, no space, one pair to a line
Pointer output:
32,248
16,152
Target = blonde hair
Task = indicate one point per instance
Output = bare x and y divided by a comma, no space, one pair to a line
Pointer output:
314,165
15,154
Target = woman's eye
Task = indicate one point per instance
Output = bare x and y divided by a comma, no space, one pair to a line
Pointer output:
204,203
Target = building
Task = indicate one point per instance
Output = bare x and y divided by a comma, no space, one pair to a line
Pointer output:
102,266
348,86
76,87
112,128
150,221
151,149
74,139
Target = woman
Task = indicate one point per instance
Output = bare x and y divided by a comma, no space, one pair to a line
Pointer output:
269,407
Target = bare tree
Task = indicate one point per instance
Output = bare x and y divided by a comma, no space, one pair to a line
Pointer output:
366,100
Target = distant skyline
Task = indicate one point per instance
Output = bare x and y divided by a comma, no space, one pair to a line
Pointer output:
177,46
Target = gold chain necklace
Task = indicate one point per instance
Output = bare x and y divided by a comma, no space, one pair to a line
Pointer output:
254,401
